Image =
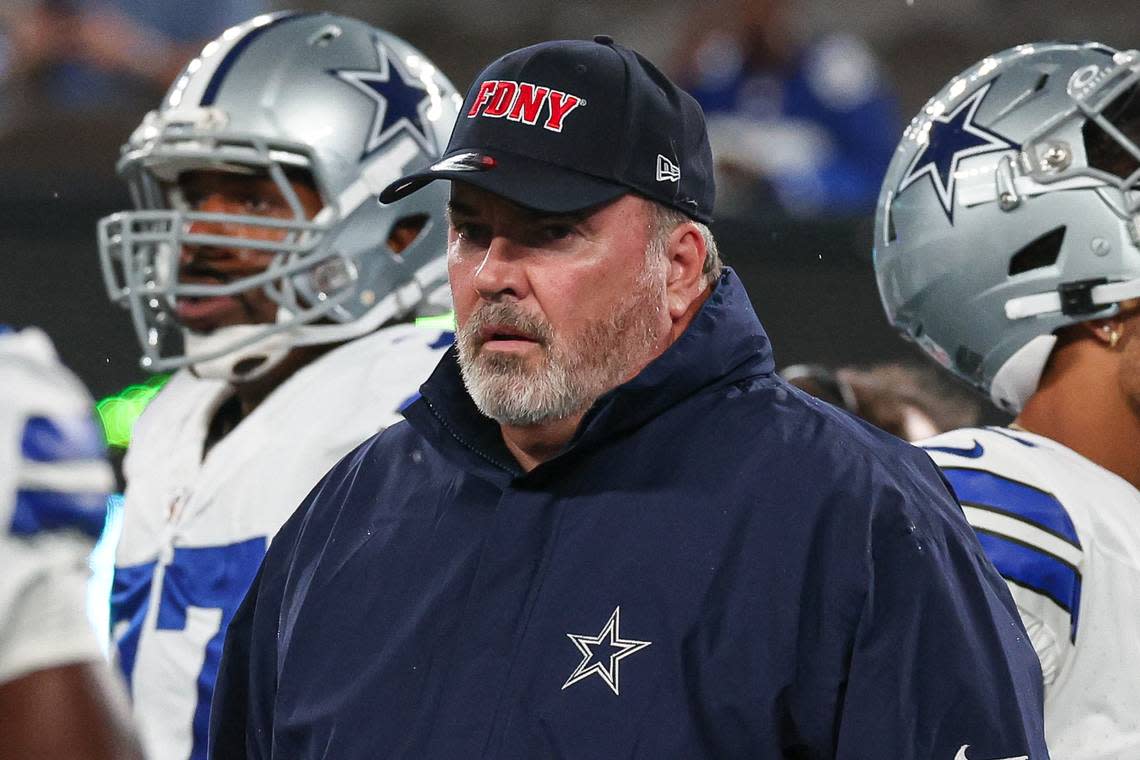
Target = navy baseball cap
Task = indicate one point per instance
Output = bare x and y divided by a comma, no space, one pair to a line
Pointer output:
563,126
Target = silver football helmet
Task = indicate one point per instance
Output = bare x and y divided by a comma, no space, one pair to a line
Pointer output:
1010,210
352,107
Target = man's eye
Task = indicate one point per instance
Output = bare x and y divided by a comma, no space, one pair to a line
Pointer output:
183,199
258,205
469,231
557,231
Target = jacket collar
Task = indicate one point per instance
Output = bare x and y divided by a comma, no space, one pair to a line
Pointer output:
724,344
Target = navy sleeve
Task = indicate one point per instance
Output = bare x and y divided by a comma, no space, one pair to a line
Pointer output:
230,708
941,661
241,713
245,693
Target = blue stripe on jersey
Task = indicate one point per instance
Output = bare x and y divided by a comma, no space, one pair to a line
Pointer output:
1032,505
211,92
61,440
1006,433
1037,571
130,599
445,339
45,511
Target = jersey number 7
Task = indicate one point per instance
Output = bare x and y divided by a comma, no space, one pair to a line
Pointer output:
198,593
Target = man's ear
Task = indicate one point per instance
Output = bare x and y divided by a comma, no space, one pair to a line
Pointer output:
685,255
1104,331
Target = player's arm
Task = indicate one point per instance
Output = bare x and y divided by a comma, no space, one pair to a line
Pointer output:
72,712
940,660
57,696
1028,536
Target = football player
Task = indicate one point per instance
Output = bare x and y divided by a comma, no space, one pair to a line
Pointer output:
259,267
1006,246
58,698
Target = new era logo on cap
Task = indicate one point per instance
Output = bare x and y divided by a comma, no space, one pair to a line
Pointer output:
667,171
524,102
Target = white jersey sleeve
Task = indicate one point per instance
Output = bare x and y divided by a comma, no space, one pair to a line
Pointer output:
196,527
53,490
1065,535
1025,531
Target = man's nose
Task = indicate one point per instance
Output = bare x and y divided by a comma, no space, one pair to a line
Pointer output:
502,272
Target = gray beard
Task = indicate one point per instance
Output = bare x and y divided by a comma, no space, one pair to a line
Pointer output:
573,371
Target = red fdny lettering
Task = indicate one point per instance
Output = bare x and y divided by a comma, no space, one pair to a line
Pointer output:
528,103
501,102
561,104
481,99
523,102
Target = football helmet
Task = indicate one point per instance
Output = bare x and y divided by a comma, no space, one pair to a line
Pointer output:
1010,210
350,106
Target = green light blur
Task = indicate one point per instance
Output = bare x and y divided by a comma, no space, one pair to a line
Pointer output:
119,412
439,322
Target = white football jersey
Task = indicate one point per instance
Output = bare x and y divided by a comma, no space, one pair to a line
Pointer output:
1065,534
54,481
195,528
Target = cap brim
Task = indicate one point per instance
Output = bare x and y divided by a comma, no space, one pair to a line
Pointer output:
522,180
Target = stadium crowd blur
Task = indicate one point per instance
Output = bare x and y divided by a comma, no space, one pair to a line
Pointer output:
804,100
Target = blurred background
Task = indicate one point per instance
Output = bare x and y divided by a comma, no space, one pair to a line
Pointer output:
805,98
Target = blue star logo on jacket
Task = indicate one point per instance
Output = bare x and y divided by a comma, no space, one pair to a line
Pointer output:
602,654
952,138
402,101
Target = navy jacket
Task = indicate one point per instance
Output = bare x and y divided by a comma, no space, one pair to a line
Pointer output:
717,566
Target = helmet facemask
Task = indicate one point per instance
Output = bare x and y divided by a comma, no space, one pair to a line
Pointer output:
1106,104
306,278
350,107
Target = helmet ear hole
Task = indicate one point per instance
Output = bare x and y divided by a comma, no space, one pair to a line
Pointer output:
1042,252
405,232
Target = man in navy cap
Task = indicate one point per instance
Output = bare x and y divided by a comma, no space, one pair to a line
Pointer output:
608,529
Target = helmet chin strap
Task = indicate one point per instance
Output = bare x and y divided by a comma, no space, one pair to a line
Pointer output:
259,355
224,357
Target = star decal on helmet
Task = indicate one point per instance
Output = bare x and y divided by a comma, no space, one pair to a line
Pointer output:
402,101
950,139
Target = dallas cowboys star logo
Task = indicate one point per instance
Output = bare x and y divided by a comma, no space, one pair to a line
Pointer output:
613,648
951,139
402,101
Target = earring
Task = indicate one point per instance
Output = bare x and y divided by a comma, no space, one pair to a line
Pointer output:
1113,338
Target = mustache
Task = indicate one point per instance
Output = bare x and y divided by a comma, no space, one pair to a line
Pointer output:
504,315
199,270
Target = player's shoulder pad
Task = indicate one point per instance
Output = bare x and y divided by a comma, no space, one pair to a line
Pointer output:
400,356
412,337
55,476
35,383
181,395
1023,527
